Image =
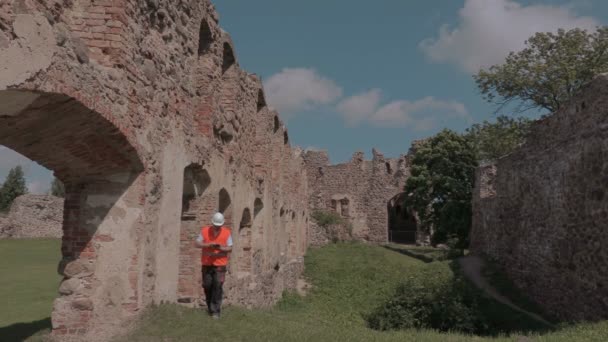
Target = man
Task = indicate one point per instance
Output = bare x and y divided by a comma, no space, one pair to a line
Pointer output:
216,242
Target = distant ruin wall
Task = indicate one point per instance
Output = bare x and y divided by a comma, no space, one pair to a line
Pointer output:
541,211
33,216
358,190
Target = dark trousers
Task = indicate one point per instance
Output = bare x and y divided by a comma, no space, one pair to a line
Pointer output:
213,280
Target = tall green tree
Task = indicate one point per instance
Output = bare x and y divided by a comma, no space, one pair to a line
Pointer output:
493,140
13,187
57,188
548,71
440,186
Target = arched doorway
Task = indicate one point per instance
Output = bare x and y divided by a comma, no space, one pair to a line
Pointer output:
402,224
101,171
194,208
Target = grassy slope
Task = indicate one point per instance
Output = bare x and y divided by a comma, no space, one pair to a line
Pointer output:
349,280
28,284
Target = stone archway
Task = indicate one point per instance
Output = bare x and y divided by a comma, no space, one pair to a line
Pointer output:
194,208
402,223
101,172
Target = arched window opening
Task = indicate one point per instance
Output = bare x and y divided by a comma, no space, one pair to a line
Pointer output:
245,219
344,207
196,181
228,58
244,258
276,124
205,38
261,100
258,205
224,205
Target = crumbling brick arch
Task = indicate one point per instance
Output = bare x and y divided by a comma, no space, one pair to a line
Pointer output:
244,253
101,171
194,210
205,38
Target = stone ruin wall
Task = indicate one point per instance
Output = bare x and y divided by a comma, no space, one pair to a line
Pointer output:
358,190
33,216
541,211
141,109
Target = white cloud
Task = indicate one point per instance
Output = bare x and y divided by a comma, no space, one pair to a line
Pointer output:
489,29
359,107
421,115
296,89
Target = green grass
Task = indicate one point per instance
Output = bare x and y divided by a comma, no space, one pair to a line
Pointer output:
28,285
349,281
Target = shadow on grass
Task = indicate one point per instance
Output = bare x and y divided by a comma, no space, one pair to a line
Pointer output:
500,318
433,255
21,331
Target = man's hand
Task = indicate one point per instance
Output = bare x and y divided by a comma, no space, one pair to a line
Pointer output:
226,249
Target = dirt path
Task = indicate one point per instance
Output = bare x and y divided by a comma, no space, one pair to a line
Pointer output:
472,266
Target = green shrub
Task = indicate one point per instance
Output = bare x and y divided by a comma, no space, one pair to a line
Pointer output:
326,218
439,297
436,299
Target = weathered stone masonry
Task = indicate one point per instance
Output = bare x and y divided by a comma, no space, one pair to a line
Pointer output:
541,211
34,216
360,191
140,108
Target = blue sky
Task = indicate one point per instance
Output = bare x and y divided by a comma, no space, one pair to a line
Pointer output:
352,75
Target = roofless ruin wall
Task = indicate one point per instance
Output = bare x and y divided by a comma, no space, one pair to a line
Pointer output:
141,109
359,190
541,211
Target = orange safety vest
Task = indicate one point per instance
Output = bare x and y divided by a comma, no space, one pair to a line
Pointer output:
221,239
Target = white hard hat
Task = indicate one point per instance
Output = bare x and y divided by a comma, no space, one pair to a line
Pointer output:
218,219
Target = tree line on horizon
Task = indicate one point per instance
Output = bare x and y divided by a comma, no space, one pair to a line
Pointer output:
15,185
